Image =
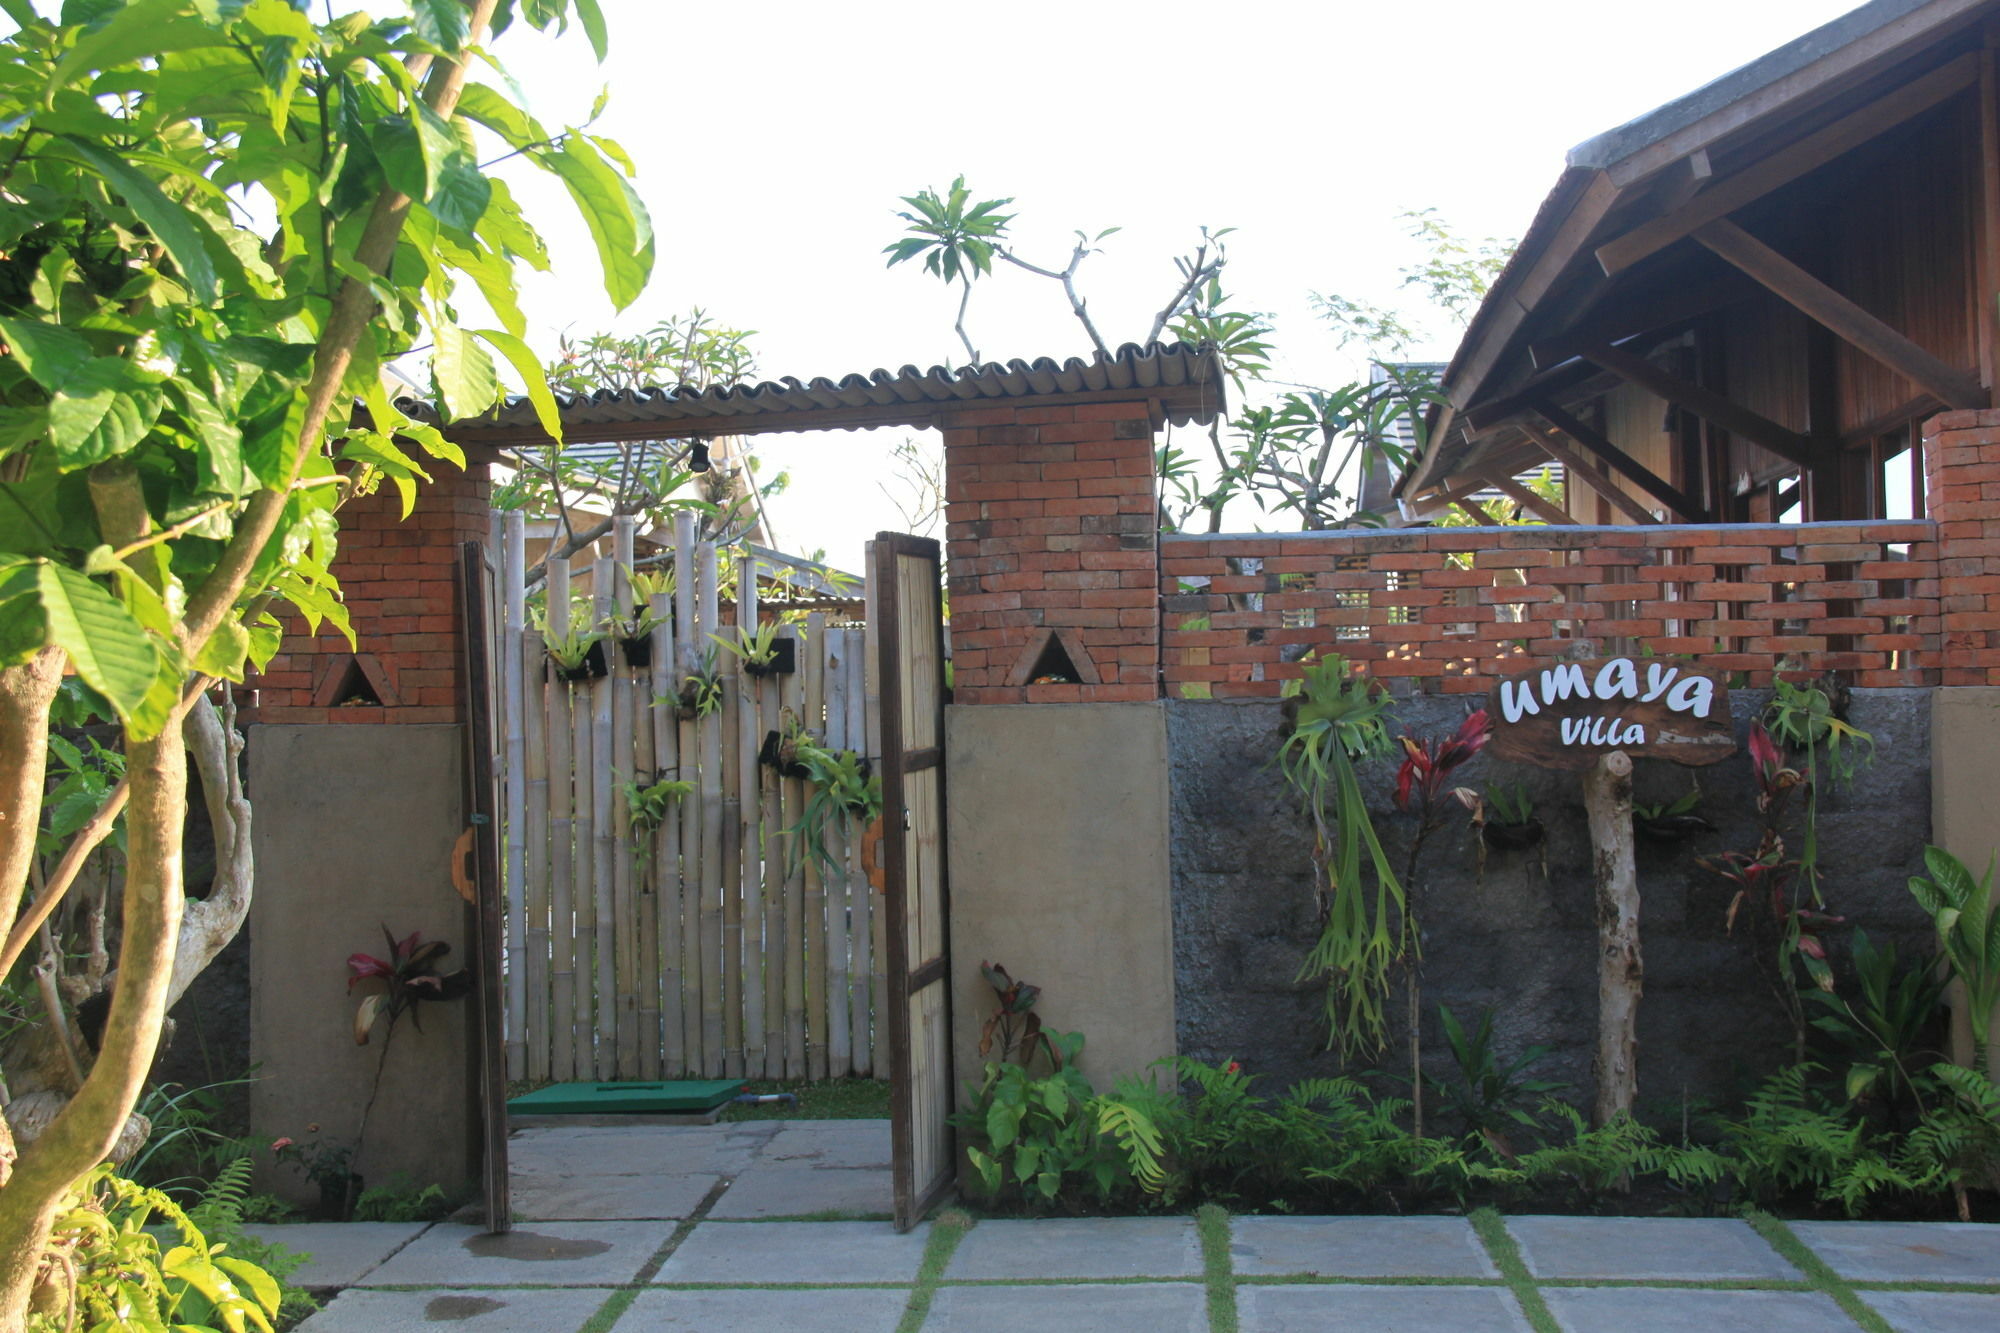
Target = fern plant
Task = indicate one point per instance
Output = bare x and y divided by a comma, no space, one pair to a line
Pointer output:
842,793
647,806
1334,721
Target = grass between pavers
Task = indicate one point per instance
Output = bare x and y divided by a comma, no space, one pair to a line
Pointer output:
1816,1270
620,1301
1506,1256
1218,1267
947,1230
824,1099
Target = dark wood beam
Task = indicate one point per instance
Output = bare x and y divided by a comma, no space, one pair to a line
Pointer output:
1578,468
1725,196
1824,305
1657,311
1545,510
1623,463
1987,247
1570,378
1478,515
1707,404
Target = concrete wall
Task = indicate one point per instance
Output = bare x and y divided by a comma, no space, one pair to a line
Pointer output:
1965,777
1524,944
354,830
1057,820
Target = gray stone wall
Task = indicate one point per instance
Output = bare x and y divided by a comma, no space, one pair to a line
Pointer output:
1513,938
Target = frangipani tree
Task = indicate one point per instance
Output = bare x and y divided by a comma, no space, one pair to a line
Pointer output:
219,221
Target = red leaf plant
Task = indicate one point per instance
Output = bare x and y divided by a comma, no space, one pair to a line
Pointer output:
1429,762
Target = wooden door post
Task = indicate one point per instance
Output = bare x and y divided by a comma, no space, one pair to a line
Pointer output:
1607,800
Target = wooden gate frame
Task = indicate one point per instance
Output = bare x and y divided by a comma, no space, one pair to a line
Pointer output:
913,1198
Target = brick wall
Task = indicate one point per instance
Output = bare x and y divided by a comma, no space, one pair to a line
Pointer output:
1962,483
399,578
1452,608
1053,530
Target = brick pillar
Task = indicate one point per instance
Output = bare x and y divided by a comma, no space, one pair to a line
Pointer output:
399,577
1054,535
1962,485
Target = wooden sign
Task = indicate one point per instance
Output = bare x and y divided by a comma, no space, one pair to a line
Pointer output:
1566,714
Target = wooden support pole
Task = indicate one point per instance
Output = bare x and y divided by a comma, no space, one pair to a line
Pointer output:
710,887
689,642
829,645
812,666
776,848
860,897
667,757
513,621
1607,802
736,690
1578,468
792,805
1622,463
1546,510
1822,304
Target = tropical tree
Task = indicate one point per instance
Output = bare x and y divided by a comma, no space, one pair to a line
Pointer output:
222,219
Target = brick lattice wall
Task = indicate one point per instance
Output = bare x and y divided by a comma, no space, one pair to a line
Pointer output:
1962,482
1052,525
399,578
1454,608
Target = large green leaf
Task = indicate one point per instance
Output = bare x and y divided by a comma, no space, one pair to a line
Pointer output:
592,19
111,652
617,219
144,28
439,22
529,368
49,353
466,378
103,410
179,229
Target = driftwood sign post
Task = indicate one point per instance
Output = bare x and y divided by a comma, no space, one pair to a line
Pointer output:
1597,716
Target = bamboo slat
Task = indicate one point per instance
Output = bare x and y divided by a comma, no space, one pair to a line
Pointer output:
750,726
644,852
730,962
532,1021
812,666
711,847
791,690
513,547
878,942
688,641
667,872
562,845
774,852
861,900
583,882
605,847
832,653
625,768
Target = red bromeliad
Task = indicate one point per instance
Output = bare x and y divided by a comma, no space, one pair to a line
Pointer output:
1429,763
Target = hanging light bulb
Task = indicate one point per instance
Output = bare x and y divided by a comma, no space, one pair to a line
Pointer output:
698,456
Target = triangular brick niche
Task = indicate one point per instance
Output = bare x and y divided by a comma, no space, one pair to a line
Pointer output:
352,680
1054,652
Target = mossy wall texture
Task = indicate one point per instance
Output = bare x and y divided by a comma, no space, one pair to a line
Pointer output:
1514,938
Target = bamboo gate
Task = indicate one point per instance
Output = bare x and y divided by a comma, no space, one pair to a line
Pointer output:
715,950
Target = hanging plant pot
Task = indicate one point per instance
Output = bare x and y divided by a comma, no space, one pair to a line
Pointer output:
783,662
1671,828
637,652
781,755
1512,837
592,666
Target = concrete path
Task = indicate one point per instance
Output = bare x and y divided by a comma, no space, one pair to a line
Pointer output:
801,1249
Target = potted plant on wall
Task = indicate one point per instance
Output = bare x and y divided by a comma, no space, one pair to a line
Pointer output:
700,692
634,632
1671,821
575,651
760,650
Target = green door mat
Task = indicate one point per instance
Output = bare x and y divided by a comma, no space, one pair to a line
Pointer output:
683,1097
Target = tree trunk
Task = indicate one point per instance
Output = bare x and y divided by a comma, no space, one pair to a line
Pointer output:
88,1128
1607,800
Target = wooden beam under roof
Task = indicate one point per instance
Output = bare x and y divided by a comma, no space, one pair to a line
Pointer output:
1651,311
1824,305
1789,163
1475,512
1707,404
1579,468
1527,499
1623,463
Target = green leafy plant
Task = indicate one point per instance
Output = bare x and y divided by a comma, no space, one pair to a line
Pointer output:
1489,1098
1957,1142
843,793
1036,1137
700,694
402,1200
187,1144
122,1256
1509,803
1888,1029
1670,820
1334,720
647,806
755,648
1808,719
1968,932
570,644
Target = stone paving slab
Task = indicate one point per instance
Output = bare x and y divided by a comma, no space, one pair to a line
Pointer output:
1936,1311
359,1310
608,1198
631,1151
851,1143
818,1252
853,1310
342,1252
1906,1251
1358,1247
1680,1248
1691,1310
1311,1308
560,1254
796,1189
1146,1307
1100,1247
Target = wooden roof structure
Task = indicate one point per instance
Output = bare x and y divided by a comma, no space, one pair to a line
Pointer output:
1793,258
